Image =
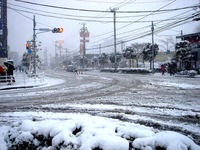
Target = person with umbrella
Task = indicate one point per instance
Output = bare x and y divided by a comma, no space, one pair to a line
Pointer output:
10,70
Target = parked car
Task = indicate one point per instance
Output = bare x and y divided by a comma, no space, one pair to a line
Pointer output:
70,68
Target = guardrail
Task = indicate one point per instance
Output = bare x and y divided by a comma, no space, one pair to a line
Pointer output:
22,78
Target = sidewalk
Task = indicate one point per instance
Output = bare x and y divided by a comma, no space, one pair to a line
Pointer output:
23,81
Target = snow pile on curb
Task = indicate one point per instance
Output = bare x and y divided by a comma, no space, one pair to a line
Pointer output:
128,70
92,135
189,73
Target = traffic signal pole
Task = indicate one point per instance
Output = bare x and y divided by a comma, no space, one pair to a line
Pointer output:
44,30
34,47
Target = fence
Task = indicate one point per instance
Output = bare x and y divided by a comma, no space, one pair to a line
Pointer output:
22,78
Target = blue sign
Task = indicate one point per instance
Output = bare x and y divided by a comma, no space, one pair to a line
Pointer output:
29,51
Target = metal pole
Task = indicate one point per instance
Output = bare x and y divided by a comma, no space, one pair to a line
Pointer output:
34,50
55,52
115,48
122,46
60,50
83,39
99,49
152,29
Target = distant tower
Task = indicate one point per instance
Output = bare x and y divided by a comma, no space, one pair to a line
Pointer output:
83,34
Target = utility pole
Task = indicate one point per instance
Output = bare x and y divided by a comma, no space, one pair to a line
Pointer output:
99,49
83,34
55,52
115,44
34,46
152,29
84,45
122,46
84,40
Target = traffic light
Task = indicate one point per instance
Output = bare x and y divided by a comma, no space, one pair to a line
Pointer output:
28,45
57,30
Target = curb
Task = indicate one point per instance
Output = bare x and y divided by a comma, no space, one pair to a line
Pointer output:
21,87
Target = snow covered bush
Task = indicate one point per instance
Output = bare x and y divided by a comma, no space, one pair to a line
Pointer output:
135,70
166,140
92,135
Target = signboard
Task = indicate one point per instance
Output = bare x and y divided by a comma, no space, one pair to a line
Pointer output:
85,40
29,51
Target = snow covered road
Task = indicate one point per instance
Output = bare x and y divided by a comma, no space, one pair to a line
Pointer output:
155,101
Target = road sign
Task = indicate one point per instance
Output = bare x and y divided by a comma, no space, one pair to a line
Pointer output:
29,51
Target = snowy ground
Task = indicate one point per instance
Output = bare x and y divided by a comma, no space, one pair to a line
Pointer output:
104,111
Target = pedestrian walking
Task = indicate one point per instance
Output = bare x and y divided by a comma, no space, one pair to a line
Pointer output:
10,70
163,69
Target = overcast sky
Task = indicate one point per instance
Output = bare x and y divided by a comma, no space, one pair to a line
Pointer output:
131,25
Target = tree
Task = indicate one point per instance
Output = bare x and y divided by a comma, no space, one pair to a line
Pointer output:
130,54
134,52
83,61
103,59
183,54
148,52
168,43
138,47
112,57
94,61
28,60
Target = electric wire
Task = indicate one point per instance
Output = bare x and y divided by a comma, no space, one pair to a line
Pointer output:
88,10
139,21
161,29
94,1
172,25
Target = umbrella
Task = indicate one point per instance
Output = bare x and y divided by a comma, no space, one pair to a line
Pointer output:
1,69
9,65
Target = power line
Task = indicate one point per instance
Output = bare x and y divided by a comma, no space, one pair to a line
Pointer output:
90,10
139,19
101,21
140,28
29,17
94,1
144,34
